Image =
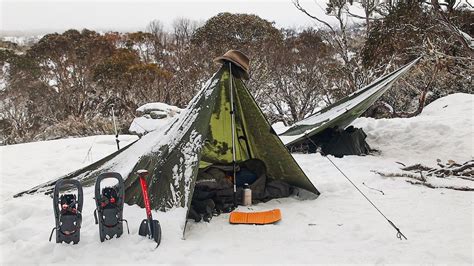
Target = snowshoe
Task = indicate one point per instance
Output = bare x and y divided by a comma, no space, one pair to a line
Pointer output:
67,212
109,207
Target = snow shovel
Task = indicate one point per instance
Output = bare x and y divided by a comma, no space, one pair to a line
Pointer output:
149,227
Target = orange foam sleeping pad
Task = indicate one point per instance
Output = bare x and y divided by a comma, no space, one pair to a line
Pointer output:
265,217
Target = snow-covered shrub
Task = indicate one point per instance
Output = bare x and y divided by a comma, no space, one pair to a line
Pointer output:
152,116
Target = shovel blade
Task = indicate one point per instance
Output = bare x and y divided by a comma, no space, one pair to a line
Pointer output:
156,232
143,230
155,228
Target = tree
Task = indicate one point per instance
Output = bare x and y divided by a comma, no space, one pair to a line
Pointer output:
339,38
67,61
24,104
183,30
300,77
445,20
409,30
248,33
144,43
256,37
128,82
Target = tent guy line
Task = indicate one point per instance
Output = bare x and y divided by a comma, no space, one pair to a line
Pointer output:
399,233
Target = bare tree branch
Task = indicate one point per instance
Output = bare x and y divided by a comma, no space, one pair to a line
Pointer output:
361,17
296,3
454,30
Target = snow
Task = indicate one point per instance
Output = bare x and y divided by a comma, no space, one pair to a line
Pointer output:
4,76
42,166
279,127
444,130
155,116
184,171
338,227
22,40
158,107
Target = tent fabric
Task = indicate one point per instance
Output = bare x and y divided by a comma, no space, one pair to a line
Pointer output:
200,135
342,113
48,186
208,138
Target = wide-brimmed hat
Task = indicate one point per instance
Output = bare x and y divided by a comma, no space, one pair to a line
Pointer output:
239,59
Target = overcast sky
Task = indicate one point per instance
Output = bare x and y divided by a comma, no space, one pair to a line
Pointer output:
40,15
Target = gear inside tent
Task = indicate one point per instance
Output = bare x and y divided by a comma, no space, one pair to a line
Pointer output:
335,141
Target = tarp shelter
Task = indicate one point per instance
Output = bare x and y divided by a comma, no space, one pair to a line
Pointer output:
350,141
199,136
342,113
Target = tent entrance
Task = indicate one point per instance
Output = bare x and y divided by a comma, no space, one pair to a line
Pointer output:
214,193
224,143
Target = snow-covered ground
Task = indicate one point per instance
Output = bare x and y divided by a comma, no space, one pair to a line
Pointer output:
338,227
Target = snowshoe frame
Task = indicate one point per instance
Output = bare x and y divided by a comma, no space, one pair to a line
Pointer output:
109,207
69,218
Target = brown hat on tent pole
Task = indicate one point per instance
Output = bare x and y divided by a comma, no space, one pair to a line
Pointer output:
239,59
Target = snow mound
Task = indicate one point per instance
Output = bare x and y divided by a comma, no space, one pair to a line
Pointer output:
153,116
452,105
444,130
146,108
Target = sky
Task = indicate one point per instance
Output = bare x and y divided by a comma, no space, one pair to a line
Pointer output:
45,16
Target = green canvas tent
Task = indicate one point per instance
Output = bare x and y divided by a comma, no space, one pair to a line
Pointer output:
201,135
342,113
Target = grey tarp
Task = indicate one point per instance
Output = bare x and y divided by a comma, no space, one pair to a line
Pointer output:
343,112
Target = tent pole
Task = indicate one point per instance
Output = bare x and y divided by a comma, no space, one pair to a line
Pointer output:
232,116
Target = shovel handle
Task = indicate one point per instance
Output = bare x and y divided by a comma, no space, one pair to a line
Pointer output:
146,199
142,174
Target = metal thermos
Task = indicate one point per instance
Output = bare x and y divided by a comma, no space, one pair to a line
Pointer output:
247,195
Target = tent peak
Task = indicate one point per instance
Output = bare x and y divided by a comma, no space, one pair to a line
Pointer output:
239,59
